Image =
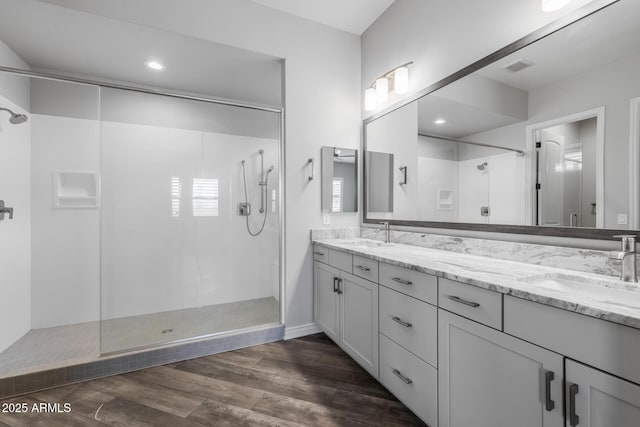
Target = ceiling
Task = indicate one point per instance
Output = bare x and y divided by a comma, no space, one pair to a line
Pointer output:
67,41
353,16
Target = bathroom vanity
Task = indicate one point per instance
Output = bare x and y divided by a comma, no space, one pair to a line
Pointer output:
468,340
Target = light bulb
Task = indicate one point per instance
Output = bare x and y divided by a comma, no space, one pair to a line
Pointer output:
401,80
370,103
382,89
154,65
553,5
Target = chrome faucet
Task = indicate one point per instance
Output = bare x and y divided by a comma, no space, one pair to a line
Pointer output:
628,257
387,231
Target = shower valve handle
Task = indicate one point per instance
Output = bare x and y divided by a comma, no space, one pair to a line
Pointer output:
5,210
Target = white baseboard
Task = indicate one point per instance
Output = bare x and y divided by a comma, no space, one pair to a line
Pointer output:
300,331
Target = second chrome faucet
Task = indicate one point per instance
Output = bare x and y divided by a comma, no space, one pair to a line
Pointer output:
627,255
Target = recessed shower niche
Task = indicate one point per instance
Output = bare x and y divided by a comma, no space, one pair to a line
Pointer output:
76,189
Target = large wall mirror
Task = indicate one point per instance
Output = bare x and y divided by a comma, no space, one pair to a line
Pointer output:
540,139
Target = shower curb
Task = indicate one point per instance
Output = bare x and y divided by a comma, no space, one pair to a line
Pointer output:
120,364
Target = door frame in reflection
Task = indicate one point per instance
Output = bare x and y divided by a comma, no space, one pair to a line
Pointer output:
531,206
634,163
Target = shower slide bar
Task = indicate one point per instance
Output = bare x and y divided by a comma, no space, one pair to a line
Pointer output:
444,138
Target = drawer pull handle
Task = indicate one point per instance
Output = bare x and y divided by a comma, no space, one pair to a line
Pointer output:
363,268
402,377
574,419
319,253
549,404
463,301
339,286
402,281
335,284
401,322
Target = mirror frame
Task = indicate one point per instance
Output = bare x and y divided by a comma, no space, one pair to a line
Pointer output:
551,28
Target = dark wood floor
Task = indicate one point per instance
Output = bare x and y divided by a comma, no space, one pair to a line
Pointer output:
307,381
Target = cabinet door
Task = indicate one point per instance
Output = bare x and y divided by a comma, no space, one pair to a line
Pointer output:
327,314
359,321
596,399
490,379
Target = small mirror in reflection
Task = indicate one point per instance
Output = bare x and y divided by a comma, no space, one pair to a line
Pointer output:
339,180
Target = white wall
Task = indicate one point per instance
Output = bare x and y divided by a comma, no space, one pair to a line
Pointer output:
155,259
322,98
397,133
15,234
65,242
15,265
15,88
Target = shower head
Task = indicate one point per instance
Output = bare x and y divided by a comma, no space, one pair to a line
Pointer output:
266,176
15,118
482,166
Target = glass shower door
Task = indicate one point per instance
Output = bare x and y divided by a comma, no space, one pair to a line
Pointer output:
177,260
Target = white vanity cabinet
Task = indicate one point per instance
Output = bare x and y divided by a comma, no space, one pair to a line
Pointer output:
489,379
459,355
327,300
346,309
597,399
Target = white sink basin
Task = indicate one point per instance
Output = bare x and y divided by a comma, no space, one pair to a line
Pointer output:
610,291
366,243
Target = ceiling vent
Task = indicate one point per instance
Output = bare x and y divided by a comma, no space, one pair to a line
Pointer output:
519,65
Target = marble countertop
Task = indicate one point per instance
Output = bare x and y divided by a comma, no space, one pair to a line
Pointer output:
603,297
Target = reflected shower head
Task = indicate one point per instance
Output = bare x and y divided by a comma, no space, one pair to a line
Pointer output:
15,118
482,166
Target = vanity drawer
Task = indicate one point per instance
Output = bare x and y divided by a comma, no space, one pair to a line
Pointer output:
320,253
411,380
341,260
366,268
413,283
469,301
411,323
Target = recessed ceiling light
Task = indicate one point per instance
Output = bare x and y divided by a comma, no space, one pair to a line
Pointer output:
154,65
440,121
553,5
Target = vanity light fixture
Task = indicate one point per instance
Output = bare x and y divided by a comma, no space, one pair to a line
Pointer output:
396,80
154,65
553,5
382,89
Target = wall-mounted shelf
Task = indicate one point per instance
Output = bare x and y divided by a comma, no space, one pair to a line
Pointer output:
76,189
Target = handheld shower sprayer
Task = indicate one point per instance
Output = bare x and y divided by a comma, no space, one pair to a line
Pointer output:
262,183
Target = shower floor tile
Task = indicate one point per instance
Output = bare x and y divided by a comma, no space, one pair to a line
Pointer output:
128,333
51,348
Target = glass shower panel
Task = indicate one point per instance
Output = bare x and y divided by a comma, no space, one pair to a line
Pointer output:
178,261
49,176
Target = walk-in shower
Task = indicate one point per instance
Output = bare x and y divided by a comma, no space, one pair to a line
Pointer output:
15,118
244,209
125,234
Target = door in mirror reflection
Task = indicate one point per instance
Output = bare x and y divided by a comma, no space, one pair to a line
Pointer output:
566,174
